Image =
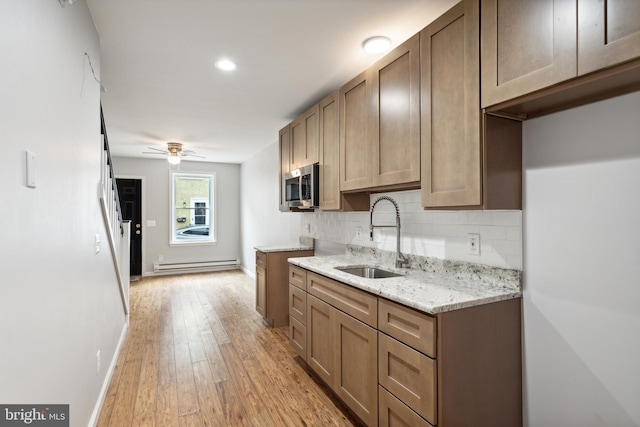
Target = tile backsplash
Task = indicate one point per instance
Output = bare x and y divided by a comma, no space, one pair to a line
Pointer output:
438,234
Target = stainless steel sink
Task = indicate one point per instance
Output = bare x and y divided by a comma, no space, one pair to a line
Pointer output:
369,272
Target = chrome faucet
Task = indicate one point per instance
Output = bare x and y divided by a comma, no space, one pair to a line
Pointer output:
401,261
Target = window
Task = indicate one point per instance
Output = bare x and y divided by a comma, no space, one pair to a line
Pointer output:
192,208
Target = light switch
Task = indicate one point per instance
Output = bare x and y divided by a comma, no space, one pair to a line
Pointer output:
31,170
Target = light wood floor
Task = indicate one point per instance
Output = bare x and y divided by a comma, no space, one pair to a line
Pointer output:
198,354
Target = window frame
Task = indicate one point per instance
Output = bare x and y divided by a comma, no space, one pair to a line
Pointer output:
210,219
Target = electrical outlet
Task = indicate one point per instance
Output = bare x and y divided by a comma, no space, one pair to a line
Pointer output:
359,233
308,228
473,244
97,241
98,362
160,258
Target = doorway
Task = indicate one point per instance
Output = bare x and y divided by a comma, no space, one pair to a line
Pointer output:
130,193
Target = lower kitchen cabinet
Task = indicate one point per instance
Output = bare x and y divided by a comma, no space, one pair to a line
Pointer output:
394,413
272,285
356,379
409,375
393,365
298,336
320,339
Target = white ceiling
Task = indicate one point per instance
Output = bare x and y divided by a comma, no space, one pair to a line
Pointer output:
157,58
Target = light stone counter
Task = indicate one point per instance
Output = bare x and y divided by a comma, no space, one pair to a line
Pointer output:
304,244
431,285
284,248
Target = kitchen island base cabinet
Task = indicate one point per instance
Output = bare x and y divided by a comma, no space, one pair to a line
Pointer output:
272,285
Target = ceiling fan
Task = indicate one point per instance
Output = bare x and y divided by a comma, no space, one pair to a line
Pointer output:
174,152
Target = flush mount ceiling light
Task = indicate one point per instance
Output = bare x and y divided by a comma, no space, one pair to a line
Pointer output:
225,65
376,45
64,3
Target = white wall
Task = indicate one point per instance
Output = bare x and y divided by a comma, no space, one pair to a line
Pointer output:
582,266
155,175
59,301
262,223
438,234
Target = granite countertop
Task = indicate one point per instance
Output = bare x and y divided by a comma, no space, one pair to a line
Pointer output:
283,248
305,243
432,286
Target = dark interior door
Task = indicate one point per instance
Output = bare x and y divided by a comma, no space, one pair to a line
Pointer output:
130,193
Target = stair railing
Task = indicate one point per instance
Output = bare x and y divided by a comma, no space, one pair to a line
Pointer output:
118,230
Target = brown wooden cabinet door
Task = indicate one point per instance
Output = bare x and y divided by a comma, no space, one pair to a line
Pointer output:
395,119
298,142
355,146
329,112
451,144
526,46
298,337
285,161
394,413
409,375
298,304
261,291
608,33
320,339
304,138
356,362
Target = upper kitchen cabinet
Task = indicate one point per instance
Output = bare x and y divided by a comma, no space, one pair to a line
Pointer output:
380,123
526,46
469,160
304,138
285,162
540,57
608,33
329,110
451,136
395,118
331,199
355,149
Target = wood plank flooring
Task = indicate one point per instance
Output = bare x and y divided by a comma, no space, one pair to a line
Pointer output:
198,354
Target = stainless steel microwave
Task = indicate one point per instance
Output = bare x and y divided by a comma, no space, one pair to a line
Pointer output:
300,187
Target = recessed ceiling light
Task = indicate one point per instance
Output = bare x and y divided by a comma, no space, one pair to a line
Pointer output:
226,65
377,44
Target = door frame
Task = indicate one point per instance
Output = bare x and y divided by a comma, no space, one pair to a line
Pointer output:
143,224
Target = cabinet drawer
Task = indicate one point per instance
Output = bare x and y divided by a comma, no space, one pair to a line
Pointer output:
298,337
298,276
417,330
298,304
394,413
261,259
409,375
357,303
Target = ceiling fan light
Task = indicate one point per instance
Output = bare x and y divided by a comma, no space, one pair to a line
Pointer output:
173,158
376,45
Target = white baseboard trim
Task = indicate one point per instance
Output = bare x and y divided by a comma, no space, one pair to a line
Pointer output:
107,379
249,273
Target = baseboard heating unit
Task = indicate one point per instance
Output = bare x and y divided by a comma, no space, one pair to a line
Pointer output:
195,267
